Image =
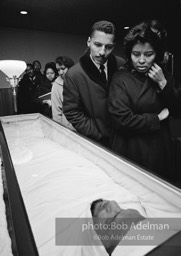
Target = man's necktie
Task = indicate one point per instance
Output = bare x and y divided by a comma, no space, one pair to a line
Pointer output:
103,74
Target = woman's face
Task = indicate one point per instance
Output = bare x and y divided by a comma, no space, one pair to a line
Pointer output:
50,74
142,56
62,70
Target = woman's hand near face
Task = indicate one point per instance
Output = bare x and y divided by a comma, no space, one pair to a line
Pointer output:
156,74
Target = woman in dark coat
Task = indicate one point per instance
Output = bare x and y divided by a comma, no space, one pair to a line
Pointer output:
142,96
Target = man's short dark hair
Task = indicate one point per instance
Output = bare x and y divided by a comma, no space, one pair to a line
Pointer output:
29,65
104,26
93,205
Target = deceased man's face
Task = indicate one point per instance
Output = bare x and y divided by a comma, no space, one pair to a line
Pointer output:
106,209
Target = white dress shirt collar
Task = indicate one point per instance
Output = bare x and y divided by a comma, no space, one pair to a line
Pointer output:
98,66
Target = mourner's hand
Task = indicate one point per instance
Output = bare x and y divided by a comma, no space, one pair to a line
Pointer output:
156,74
163,114
47,102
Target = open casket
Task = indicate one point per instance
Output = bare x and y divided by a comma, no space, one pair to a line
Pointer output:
49,173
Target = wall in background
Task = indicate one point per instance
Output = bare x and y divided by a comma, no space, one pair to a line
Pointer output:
29,45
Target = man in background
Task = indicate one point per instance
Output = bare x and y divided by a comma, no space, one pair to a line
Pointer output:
27,86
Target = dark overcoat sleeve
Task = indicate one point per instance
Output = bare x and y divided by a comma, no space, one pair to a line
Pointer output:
171,95
123,112
73,95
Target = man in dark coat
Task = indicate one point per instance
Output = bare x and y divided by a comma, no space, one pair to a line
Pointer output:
26,90
86,86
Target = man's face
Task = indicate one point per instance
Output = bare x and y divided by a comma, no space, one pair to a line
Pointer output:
101,45
37,66
106,212
29,71
106,209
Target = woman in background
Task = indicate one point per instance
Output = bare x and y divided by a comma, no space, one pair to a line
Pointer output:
63,63
44,103
37,67
142,96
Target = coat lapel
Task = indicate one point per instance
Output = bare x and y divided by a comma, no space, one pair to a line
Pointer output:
92,71
145,84
112,67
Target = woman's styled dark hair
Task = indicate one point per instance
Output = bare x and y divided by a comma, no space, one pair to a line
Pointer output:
147,32
64,60
52,66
